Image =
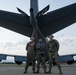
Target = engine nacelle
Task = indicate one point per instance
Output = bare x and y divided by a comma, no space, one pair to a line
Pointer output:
18,62
0,60
19,59
2,57
70,62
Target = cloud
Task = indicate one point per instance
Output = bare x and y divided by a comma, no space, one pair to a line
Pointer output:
67,41
13,46
67,45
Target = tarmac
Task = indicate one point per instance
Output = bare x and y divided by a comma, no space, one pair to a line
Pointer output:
7,69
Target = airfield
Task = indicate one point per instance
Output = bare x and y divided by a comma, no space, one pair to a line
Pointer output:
13,69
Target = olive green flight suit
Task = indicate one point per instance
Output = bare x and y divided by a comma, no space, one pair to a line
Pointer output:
31,50
40,56
53,47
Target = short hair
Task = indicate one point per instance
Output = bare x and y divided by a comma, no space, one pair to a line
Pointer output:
50,35
32,38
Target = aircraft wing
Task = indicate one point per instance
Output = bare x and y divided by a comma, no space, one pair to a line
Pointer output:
16,22
69,58
57,20
18,59
48,23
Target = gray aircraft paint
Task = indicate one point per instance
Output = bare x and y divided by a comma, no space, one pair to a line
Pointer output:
33,20
34,5
34,23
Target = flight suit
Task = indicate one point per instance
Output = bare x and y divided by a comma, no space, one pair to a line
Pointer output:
53,47
40,56
31,50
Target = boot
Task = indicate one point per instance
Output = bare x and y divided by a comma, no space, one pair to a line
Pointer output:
50,66
37,71
33,70
49,71
45,71
25,71
44,68
60,71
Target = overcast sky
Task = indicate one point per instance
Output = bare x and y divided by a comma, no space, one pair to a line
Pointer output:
14,43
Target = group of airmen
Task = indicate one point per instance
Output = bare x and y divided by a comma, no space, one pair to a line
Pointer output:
36,52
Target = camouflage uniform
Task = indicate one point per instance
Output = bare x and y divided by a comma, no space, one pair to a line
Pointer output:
40,56
30,56
53,47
